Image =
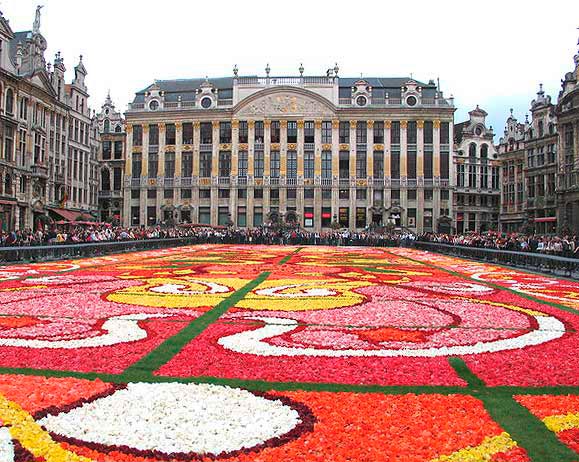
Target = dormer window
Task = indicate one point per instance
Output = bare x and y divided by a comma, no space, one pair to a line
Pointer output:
361,101
411,101
154,105
478,131
206,103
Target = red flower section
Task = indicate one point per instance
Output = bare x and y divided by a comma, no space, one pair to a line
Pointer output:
204,357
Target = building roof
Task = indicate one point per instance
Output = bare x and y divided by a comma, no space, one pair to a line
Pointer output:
185,88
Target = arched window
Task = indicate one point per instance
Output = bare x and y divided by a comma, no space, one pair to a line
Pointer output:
105,179
484,151
551,128
118,129
472,150
107,126
541,128
9,101
8,185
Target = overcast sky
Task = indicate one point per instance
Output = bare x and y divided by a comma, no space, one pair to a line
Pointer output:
491,53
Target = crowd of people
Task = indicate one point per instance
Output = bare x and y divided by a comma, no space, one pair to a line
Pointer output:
552,245
200,234
567,246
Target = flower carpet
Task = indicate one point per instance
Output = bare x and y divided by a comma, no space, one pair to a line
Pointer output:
270,353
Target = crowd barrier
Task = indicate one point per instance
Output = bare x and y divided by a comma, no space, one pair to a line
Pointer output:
66,251
550,264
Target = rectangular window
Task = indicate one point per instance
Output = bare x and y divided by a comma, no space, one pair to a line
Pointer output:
326,194
274,164
292,164
258,130
292,131
378,167
204,215
428,132
258,193
309,131
308,217
344,217
243,132
153,135
258,164
378,132
428,161
411,132
291,194
153,165
187,133
225,132
224,163
395,132
205,194
242,193
169,165
274,194
411,163
137,135
344,165
107,150
360,217
309,164
344,194
444,165
395,163
395,194
308,193
151,193
326,164
275,132
361,133
326,217
187,164
151,215
118,149
241,217
117,178
186,194
135,215
360,194
168,194
242,164
223,193
136,165
444,133
428,194
257,216
411,194
170,134
205,164
206,133
360,164
460,175
344,132
327,132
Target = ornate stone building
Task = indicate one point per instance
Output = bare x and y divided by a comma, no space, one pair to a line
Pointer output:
43,123
513,216
541,165
111,160
567,112
477,192
246,150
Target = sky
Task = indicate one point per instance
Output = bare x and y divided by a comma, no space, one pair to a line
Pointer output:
491,53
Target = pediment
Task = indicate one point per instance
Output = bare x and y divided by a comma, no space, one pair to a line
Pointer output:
285,102
40,80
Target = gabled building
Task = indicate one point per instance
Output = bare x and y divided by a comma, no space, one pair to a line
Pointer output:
567,113
41,127
513,215
111,162
477,193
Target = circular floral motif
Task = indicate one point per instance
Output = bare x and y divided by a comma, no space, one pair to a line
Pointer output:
175,420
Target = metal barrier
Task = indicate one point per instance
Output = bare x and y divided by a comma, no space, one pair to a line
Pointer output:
67,251
550,264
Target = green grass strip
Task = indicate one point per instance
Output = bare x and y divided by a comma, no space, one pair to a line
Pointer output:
465,373
288,257
173,345
541,444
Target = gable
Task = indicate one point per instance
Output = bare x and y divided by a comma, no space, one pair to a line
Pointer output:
40,80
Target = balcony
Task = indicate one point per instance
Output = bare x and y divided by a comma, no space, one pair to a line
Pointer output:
309,146
110,194
223,181
39,171
206,147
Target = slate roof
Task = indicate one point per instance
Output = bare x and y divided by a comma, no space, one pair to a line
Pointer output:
186,87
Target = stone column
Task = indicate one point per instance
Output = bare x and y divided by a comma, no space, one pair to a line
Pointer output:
317,177
335,165
144,174
126,218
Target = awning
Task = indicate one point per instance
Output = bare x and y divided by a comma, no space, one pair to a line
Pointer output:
68,215
545,219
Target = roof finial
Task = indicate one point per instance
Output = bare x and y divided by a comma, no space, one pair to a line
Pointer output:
235,70
36,25
336,69
511,112
301,69
267,70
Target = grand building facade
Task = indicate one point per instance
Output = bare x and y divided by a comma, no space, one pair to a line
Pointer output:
321,151
47,158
